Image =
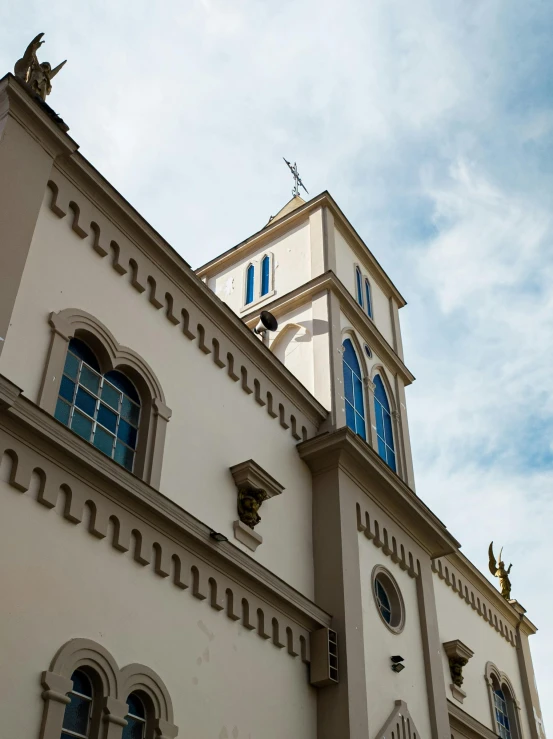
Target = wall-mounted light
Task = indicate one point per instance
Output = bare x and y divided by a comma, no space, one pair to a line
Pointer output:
217,537
397,665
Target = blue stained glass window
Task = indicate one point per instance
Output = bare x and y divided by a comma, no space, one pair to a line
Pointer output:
265,274
368,300
250,276
136,719
359,286
383,418
76,718
353,391
383,601
501,714
111,425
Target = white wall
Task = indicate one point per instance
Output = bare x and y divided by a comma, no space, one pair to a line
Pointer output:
59,582
457,620
383,685
293,344
214,423
291,264
346,259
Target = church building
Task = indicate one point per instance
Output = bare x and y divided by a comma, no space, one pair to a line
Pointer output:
209,521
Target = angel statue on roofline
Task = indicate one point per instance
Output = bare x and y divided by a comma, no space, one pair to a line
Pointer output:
37,75
498,570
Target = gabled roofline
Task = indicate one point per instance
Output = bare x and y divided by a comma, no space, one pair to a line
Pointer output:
284,224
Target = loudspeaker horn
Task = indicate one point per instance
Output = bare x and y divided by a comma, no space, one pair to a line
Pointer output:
267,322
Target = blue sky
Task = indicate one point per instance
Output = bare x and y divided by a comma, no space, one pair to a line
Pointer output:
431,123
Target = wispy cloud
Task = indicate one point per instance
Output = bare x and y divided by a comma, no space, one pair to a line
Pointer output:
431,123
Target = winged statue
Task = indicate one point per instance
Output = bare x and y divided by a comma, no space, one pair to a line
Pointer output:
498,570
36,74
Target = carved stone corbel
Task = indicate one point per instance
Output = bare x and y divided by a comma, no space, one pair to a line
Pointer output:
254,487
458,654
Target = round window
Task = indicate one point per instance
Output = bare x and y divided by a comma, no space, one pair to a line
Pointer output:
388,599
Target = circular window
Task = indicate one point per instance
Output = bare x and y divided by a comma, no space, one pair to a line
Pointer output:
388,599
368,351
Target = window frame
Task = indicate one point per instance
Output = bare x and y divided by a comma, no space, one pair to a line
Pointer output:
388,583
155,414
99,402
368,297
250,270
378,407
359,377
359,286
497,680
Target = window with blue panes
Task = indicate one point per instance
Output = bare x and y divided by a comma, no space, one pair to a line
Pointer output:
135,718
265,274
368,301
501,714
359,286
353,390
383,418
250,279
78,712
102,408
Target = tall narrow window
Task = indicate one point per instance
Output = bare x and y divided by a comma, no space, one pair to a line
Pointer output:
383,419
103,409
76,719
136,718
250,276
353,391
501,714
368,300
359,285
265,274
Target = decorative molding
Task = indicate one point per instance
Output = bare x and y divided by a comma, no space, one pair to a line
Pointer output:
112,688
400,724
358,319
254,485
346,450
494,678
184,299
154,531
474,599
9,393
458,654
382,540
247,535
466,725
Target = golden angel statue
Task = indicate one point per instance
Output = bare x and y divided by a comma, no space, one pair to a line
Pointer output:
37,75
498,570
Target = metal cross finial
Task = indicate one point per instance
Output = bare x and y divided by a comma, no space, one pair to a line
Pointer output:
297,180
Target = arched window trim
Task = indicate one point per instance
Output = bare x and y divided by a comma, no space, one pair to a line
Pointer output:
495,678
70,323
348,336
112,688
249,284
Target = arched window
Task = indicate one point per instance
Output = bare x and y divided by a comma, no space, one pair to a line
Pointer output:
250,277
136,718
368,300
78,712
359,285
384,424
265,274
502,714
103,409
353,391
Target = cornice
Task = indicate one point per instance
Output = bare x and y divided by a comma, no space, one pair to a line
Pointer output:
16,102
511,610
38,430
290,221
346,450
466,724
358,318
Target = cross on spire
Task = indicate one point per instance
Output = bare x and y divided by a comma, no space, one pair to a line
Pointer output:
297,180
